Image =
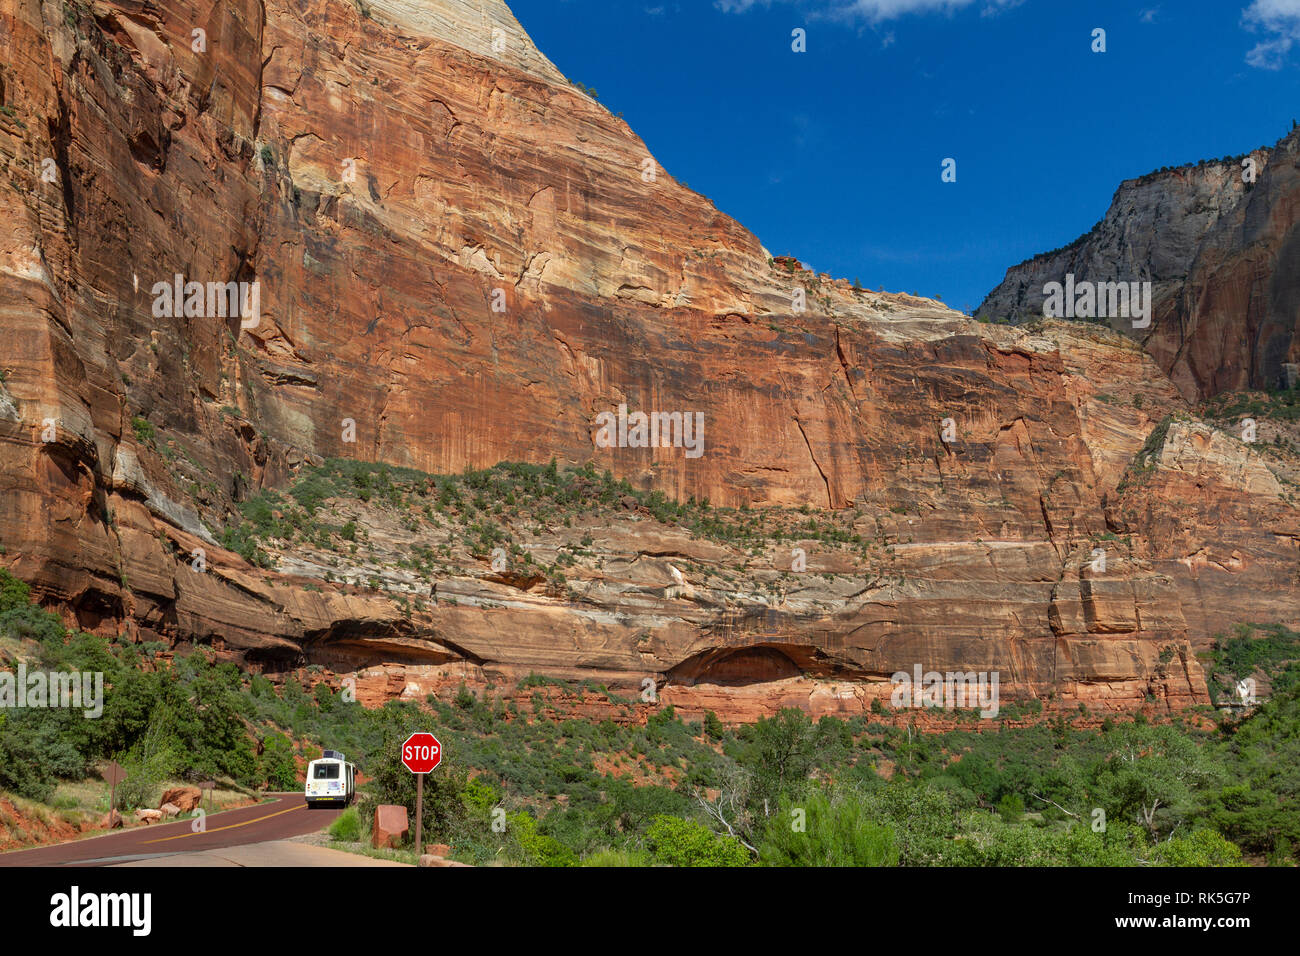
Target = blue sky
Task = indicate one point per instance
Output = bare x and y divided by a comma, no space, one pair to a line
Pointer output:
834,155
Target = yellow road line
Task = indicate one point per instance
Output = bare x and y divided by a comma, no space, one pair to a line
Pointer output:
228,826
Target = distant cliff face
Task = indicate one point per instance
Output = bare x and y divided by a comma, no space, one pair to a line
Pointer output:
1221,254
461,259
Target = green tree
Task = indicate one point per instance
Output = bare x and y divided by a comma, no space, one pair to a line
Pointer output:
1151,775
154,758
779,752
276,766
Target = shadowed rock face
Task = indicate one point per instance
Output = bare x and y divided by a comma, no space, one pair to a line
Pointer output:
1222,251
462,259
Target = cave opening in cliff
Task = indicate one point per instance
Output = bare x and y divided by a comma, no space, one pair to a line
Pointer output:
755,664
96,608
275,659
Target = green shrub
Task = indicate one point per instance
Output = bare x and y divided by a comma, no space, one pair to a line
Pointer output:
347,828
144,431
822,830
533,848
678,842
1204,847
986,840
1011,807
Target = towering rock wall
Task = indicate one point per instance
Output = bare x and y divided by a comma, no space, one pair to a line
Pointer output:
1220,243
462,259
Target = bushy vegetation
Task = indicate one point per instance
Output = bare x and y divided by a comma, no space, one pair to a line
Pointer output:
1279,404
144,431
791,791
347,827
830,829
190,719
677,842
1272,653
521,782
1256,808
484,503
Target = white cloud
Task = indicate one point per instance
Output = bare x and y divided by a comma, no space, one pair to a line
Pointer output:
873,11
1281,19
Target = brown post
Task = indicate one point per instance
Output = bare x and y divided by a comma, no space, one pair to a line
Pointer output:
419,812
115,775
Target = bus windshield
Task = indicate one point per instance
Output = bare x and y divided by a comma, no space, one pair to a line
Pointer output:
326,771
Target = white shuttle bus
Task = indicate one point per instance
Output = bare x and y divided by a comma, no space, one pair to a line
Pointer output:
331,781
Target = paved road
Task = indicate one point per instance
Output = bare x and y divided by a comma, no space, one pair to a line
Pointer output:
275,853
285,816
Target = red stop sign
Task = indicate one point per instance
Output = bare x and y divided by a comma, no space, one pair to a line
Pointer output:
421,753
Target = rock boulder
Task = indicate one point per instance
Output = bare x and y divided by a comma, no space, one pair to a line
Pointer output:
390,826
185,799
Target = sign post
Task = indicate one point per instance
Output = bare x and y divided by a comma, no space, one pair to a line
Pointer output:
114,774
206,786
420,754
